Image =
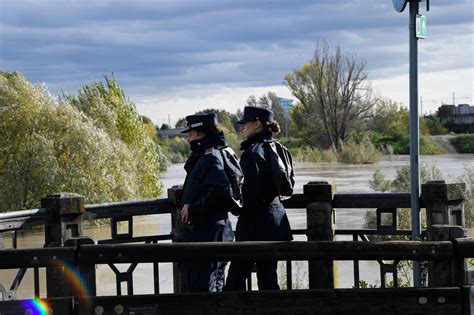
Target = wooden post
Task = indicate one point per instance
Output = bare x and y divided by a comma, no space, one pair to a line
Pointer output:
449,272
85,270
320,220
444,203
64,222
174,196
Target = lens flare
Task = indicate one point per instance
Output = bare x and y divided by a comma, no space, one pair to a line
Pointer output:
37,307
76,280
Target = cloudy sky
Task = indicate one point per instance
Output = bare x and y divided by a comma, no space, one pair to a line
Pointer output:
174,57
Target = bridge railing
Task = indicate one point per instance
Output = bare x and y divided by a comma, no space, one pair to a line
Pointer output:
62,216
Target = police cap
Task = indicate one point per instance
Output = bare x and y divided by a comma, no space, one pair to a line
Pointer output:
196,122
252,113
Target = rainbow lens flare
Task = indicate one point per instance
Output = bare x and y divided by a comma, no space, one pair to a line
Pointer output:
36,306
79,284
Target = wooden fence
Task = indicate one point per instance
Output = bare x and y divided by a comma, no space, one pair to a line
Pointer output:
62,215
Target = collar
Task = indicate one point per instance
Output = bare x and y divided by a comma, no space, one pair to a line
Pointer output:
212,140
264,136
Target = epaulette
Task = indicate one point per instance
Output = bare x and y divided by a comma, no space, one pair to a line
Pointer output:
209,151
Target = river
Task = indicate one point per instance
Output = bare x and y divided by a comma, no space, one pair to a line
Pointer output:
348,178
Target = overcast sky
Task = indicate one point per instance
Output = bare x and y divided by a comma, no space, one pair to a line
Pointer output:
174,57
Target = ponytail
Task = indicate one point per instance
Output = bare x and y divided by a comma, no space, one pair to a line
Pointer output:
273,127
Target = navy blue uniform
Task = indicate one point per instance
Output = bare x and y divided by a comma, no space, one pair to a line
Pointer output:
263,217
208,193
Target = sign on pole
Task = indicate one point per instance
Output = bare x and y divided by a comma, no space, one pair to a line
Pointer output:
420,26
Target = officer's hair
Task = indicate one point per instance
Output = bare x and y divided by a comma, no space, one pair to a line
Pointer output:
210,129
273,127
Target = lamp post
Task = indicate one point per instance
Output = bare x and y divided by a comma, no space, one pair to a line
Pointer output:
417,29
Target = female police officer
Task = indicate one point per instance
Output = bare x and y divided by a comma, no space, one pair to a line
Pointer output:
262,217
206,200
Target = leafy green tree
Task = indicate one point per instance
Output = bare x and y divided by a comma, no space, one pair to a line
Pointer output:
334,92
92,145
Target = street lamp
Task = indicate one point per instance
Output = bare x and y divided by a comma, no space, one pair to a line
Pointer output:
417,29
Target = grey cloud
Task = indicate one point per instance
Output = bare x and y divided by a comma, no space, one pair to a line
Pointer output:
177,43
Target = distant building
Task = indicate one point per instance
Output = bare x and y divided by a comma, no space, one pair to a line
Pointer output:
286,104
171,133
461,114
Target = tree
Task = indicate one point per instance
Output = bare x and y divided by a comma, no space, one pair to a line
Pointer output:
49,145
334,91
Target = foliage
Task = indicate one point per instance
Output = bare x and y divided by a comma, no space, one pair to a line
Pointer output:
468,179
300,275
389,129
401,183
362,152
293,143
464,143
334,92
307,154
434,126
175,149
388,117
399,143
94,145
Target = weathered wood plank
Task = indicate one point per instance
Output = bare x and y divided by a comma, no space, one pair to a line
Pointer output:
277,250
129,208
464,247
34,257
167,252
372,200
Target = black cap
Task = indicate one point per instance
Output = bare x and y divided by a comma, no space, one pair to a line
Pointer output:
199,121
252,113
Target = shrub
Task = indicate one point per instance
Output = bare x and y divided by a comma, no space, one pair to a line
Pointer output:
363,152
314,155
464,143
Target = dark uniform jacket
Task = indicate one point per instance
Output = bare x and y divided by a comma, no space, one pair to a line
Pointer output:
207,191
262,217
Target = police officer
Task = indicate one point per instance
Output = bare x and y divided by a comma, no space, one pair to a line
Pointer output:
205,201
263,217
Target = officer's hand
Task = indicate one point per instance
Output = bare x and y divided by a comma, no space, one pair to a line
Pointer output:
185,213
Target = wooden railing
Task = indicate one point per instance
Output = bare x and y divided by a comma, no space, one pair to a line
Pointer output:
62,216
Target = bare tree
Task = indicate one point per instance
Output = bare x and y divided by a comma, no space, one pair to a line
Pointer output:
333,90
